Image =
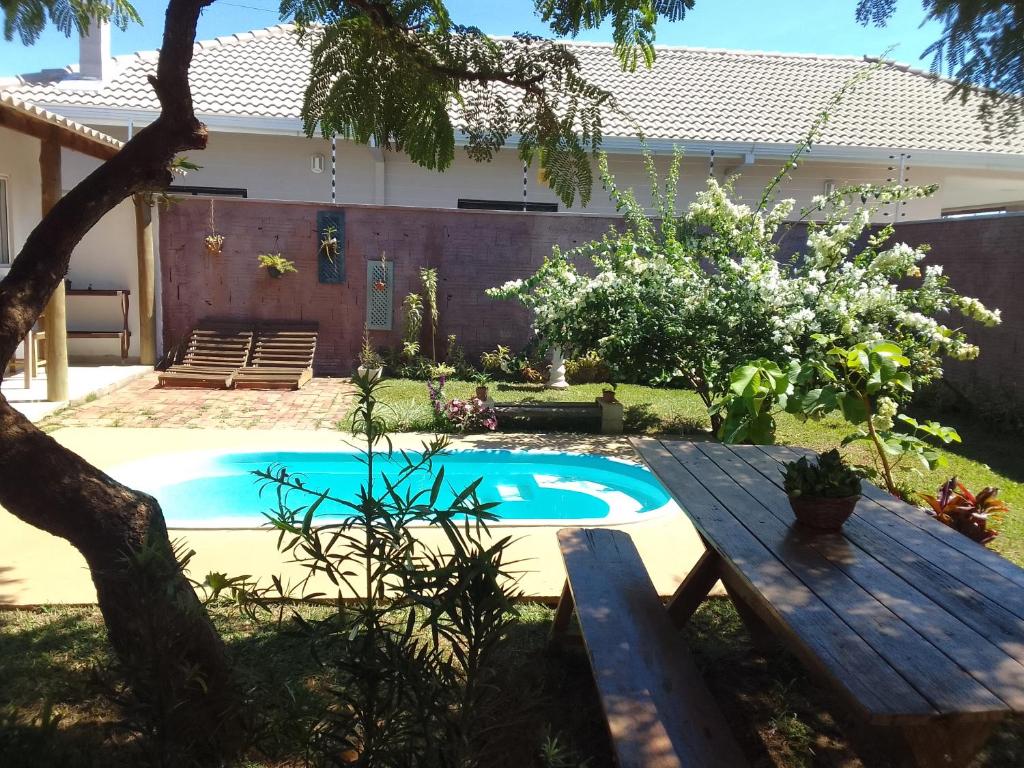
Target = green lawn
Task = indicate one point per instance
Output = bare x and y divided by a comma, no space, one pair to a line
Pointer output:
986,457
58,658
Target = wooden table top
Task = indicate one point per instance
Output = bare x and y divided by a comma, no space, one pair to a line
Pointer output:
909,619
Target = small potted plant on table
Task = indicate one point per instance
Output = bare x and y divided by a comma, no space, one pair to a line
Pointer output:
823,494
371,364
276,264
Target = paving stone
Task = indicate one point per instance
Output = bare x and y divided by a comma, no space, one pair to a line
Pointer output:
141,403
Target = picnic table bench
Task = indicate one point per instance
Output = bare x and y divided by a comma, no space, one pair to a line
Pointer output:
916,628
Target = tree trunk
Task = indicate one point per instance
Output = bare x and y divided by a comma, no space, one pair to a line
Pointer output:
171,654
173,658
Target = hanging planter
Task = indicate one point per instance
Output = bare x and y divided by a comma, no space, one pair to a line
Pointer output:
380,285
213,242
276,264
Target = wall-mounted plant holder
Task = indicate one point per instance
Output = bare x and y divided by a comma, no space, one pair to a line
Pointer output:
330,241
380,291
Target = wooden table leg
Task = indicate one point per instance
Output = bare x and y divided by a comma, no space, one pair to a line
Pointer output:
125,334
563,616
29,344
695,587
761,634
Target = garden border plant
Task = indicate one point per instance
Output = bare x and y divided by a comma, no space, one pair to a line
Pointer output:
412,641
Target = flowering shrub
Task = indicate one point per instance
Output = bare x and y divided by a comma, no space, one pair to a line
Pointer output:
688,297
470,415
692,296
457,415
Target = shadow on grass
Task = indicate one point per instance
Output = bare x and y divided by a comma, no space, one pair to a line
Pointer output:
643,419
63,662
5,582
981,441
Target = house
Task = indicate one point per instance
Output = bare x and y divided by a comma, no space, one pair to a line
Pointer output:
731,111
91,317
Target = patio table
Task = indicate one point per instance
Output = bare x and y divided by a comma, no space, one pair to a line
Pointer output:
917,629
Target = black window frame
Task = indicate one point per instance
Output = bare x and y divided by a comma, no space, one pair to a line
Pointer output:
471,204
217,191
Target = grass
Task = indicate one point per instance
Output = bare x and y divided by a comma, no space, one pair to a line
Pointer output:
986,456
58,657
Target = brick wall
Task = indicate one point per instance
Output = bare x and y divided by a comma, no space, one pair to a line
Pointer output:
474,250
984,258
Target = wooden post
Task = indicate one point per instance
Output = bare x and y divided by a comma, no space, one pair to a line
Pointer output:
55,322
147,280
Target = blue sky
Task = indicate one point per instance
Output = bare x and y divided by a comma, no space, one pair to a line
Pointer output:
827,26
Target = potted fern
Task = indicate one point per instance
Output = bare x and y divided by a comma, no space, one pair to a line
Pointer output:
276,264
822,494
371,364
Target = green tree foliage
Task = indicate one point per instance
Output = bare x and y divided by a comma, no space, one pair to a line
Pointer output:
403,75
982,45
28,18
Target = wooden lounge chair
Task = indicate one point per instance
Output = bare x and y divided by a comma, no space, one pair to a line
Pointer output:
282,358
213,355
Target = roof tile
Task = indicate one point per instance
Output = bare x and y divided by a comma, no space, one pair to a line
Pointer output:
691,94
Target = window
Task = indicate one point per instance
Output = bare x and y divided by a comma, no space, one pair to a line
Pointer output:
973,213
220,191
5,224
506,205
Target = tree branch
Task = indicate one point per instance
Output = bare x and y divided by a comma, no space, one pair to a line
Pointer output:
381,17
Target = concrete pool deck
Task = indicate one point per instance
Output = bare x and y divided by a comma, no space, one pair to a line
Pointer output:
37,568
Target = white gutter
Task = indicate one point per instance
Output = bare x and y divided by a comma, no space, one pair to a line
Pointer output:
290,126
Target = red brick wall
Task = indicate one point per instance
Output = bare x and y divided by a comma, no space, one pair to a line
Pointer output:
472,251
983,258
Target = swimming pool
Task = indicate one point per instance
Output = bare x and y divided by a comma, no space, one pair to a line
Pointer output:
218,489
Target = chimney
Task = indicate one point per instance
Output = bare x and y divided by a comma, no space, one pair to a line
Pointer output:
94,61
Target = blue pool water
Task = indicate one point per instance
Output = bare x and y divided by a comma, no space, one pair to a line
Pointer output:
207,490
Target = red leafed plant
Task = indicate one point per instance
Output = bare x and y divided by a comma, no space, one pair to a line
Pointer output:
970,514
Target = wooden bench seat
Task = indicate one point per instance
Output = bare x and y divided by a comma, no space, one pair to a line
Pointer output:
659,712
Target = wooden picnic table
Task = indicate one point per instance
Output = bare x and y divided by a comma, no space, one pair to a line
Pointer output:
919,630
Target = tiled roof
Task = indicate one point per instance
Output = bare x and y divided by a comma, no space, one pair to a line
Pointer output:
39,114
691,94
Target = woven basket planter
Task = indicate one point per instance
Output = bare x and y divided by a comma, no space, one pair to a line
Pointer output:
824,514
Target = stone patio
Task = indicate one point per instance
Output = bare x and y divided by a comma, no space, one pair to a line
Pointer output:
320,404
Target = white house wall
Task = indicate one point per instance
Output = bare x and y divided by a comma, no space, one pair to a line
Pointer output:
279,168
105,258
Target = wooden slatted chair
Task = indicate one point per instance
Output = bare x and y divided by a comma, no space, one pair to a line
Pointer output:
214,354
282,358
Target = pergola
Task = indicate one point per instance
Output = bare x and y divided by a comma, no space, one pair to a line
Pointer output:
54,133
